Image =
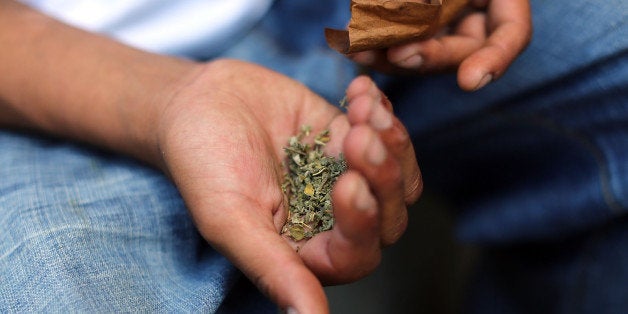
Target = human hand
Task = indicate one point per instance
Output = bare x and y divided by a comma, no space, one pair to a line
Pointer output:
222,138
218,130
481,45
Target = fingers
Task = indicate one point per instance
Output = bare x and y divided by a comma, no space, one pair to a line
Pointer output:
369,199
351,250
399,144
445,52
251,242
281,275
366,153
377,60
380,149
510,30
365,105
481,46
368,105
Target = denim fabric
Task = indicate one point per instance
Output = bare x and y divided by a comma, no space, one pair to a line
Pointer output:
510,155
291,41
543,151
87,231
537,163
586,273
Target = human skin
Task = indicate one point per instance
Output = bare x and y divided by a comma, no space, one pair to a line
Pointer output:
480,46
218,129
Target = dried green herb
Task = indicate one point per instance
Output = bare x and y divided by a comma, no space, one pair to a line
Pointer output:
307,185
343,103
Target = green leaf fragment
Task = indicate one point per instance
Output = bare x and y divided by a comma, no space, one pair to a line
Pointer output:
308,183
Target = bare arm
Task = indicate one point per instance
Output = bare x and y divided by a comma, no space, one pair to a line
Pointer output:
218,130
79,85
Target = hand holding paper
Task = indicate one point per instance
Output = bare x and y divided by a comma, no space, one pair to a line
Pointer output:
379,24
479,38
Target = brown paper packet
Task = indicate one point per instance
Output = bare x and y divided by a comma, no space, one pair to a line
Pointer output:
377,24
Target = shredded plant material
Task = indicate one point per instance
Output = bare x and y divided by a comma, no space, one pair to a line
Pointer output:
307,185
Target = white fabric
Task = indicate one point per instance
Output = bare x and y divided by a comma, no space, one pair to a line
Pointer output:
193,28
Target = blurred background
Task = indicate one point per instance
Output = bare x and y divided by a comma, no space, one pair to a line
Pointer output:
427,271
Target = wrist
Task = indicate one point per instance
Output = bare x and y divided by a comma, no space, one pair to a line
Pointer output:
138,107
152,127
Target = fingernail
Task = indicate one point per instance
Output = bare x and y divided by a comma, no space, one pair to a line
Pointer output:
400,54
364,201
364,57
485,80
414,61
291,310
376,152
381,119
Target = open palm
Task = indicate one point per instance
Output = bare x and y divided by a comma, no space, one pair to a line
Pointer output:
222,139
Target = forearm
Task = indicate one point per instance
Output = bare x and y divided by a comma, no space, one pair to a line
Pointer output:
82,86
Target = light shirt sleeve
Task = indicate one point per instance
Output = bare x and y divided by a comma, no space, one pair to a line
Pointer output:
187,28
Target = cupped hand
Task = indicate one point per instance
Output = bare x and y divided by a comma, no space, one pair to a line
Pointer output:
481,45
222,137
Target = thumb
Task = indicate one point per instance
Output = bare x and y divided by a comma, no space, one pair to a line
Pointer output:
274,267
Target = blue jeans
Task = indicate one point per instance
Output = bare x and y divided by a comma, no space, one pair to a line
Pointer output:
85,230
536,164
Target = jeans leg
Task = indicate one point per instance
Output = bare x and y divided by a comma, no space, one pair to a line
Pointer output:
84,231
536,163
536,156
541,152
586,273
290,40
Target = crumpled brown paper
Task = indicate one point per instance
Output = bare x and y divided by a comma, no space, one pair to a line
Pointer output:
377,24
